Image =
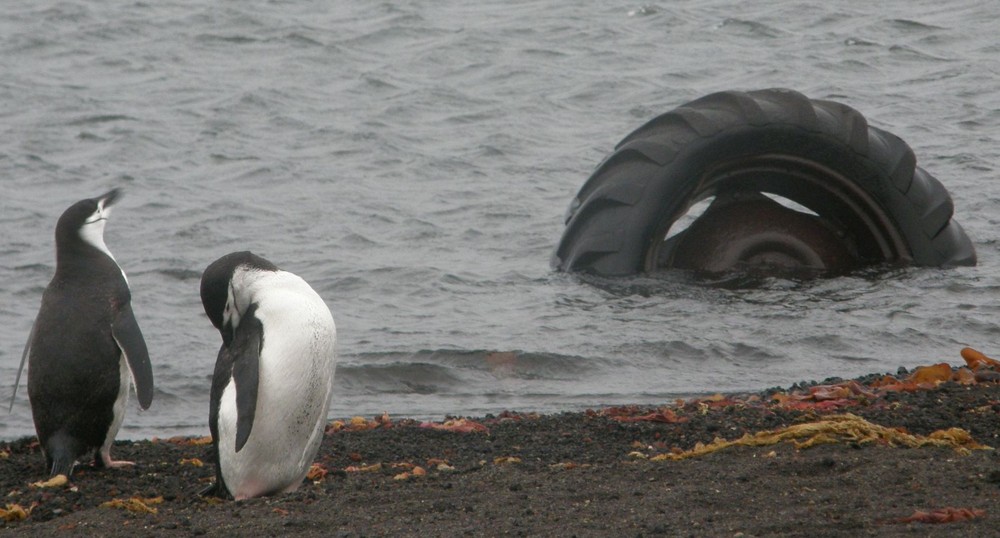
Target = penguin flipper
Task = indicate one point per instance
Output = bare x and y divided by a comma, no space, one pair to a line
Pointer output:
245,349
24,357
125,330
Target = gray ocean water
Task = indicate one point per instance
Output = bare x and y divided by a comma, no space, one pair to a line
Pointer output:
413,161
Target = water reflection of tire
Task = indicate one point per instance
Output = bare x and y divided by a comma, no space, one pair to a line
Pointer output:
838,194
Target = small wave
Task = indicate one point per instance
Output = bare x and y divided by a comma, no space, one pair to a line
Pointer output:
915,54
299,38
643,11
35,267
234,39
100,118
357,240
91,137
397,378
907,24
372,82
752,28
453,371
859,42
220,158
179,274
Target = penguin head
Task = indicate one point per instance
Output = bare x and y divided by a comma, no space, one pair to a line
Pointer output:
83,223
224,292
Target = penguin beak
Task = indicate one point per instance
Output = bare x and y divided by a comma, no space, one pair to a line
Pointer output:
104,203
107,199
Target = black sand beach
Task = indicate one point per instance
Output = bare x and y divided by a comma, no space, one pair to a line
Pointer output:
605,472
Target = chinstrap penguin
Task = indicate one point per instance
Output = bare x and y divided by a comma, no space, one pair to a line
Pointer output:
273,375
84,345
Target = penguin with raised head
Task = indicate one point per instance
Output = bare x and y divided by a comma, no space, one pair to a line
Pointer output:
273,375
84,346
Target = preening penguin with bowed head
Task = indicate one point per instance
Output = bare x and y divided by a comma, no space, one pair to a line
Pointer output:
273,375
84,346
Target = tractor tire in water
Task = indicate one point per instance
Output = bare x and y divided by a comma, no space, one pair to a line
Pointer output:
865,201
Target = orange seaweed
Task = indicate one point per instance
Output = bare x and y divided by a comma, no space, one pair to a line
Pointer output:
462,425
363,468
977,360
934,374
663,415
316,472
15,512
185,440
965,376
134,504
823,405
943,515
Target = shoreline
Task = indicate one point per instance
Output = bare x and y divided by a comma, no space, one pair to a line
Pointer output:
591,473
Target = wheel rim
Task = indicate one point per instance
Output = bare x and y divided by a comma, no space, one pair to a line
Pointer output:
853,218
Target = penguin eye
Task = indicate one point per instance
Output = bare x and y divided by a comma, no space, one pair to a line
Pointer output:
94,217
98,214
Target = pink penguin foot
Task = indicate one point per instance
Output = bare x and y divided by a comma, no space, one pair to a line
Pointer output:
114,464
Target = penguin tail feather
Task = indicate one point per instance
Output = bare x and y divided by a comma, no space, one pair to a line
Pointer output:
215,489
62,467
62,451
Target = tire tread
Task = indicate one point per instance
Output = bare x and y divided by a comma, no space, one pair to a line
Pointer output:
918,202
